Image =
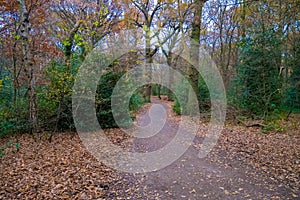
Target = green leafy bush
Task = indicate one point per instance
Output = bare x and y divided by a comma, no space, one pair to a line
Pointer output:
177,108
136,101
55,100
273,126
47,109
13,115
292,100
13,119
103,102
204,94
181,95
258,80
181,89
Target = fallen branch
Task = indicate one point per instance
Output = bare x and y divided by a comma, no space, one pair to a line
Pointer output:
252,125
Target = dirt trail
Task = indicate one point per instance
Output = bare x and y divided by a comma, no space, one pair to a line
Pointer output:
193,178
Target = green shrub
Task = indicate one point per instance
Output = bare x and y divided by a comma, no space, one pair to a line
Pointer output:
103,102
177,108
47,110
6,89
13,118
292,100
181,89
136,101
257,74
273,126
204,94
55,100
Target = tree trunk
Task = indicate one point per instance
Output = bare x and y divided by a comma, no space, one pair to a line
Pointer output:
194,54
148,65
69,46
28,67
158,90
15,81
171,76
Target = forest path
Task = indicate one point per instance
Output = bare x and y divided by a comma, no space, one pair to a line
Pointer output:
190,177
244,164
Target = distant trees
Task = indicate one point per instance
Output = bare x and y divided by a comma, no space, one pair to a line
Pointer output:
222,35
263,67
252,44
255,45
151,17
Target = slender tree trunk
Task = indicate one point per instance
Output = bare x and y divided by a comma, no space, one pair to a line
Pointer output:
16,84
158,90
171,76
148,65
28,66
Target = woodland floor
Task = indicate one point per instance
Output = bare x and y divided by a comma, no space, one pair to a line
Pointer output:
245,164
